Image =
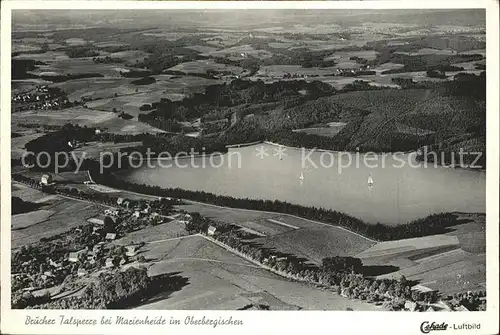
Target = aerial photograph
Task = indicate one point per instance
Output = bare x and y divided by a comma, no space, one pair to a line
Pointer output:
263,159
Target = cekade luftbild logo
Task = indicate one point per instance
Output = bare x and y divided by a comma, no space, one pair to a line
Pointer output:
427,327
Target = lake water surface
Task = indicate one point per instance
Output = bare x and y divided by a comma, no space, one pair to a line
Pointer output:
399,193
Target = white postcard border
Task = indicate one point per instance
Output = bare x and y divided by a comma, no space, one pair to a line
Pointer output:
13,321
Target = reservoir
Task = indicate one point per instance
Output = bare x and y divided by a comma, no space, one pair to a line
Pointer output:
374,188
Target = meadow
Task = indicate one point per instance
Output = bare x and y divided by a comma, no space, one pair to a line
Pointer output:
57,215
452,262
202,66
219,280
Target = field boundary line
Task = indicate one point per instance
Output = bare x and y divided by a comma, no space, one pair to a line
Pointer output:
207,260
282,224
170,239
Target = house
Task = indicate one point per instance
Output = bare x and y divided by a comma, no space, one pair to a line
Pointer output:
131,250
48,274
430,309
410,306
421,288
110,236
112,212
186,218
97,248
461,308
96,221
96,229
57,265
123,261
97,131
119,201
445,305
211,230
345,292
109,263
137,214
81,272
77,255
46,179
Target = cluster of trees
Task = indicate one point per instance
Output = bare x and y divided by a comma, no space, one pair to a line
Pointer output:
236,93
57,141
340,263
136,73
81,51
119,290
163,55
111,290
31,261
144,81
473,301
106,60
21,67
20,206
40,125
169,125
197,224
429,62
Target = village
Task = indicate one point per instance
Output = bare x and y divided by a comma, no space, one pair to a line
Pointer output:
42,98
93,247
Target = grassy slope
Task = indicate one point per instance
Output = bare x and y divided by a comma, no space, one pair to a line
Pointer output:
231,282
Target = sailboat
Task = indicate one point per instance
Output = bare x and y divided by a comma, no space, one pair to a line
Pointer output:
301,177
370,180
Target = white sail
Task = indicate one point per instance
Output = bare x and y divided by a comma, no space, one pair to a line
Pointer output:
301,177
370,180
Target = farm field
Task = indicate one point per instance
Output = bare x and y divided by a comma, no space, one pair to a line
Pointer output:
315,244
70,177
167,230
228,215
202,66
321,131
343,56
46,57
78,66
429,51
237,52
84,117
96,88
202,48
299,237
452,262
56,216
130,56
216,279
93,149
279,70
